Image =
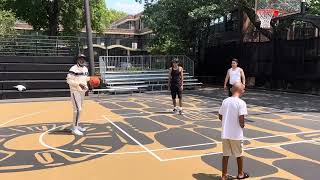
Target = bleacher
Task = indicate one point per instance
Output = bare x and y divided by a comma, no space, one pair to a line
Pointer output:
139,81
24,45
42,76
141,73
40,63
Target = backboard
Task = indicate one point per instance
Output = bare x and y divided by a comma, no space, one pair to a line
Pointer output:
285,7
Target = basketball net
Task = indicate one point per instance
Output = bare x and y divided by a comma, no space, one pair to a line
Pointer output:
265,16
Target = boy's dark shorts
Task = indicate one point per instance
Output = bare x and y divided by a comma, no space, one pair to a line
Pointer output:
229,90
176,91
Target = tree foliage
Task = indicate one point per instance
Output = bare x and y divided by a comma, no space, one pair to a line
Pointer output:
7,22
187,23
103,17
181,24
114,15
50,15
314,7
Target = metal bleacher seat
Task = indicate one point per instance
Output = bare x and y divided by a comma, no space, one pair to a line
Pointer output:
156,78
115,90
124,82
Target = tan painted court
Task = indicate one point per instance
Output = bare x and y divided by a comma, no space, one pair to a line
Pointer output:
137,137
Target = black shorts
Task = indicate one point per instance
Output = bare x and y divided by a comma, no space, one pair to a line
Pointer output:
229,89
176,91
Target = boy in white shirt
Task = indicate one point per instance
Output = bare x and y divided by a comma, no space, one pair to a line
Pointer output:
232,114
77,79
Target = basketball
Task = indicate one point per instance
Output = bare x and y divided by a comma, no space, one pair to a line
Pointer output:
94,81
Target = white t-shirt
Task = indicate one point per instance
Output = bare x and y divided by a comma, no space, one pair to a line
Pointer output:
231,109
235,75
77,75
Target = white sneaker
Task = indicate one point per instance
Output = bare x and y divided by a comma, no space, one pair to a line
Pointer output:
81,129
175,111
180,110
77,132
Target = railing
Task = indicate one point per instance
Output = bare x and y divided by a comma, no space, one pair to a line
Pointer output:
22,45
109,40
143,63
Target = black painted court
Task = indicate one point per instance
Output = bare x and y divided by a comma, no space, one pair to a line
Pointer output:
138,137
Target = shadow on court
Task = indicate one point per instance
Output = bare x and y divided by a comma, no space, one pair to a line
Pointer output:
62,148
203,176
163,112
66,131
273,99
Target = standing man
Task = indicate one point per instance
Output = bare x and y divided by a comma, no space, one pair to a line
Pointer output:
77,79
234,74
232,114
175,84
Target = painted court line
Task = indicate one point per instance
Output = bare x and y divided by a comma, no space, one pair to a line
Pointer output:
41,140
298,113
246,139
311,115
163,149
278,110
265,137
245,149
43,143
131,114
136,141
316,142
20,117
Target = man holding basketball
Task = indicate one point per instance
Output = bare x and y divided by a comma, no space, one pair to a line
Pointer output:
77,79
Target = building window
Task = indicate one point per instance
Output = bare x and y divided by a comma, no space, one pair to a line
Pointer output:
212,22
221,19
235,15
131,25
141,24
229,17
216,21
134,45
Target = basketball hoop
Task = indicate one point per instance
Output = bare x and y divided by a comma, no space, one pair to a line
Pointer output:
265,16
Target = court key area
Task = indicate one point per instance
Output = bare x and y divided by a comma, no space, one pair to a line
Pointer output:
138,137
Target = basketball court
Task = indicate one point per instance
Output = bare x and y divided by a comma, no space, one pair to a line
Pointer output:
138,137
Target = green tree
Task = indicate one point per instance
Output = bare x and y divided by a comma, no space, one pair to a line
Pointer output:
48,15
187,23
113,15
314,7
211,8
179,25
7,22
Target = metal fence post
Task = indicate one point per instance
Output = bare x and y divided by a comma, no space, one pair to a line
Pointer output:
36,47
57,50
192,62
106,60
150,64
127,63
141,57
78,46
15,47
184,64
